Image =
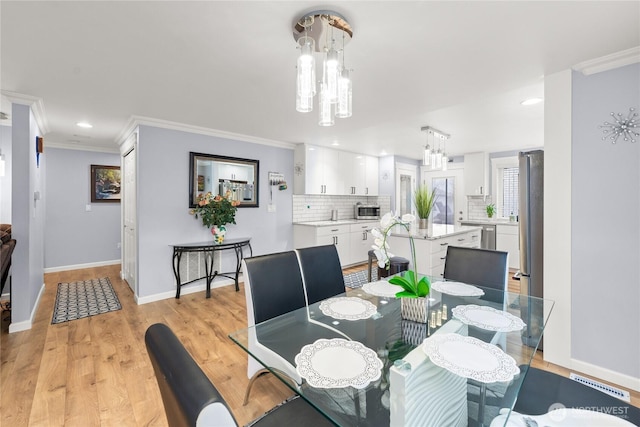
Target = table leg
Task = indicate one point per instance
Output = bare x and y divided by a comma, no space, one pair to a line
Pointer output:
208,268
239,253
481,402
177,255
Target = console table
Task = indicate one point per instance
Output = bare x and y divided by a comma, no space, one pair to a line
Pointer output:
208,249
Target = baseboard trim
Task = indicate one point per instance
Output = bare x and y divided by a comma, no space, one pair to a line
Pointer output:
81,266
27,324
605,374
186,290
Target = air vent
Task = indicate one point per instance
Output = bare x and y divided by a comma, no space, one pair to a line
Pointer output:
605,388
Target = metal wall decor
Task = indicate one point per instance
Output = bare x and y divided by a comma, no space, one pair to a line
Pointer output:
623,127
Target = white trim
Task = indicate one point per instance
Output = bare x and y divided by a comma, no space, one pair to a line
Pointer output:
186,290
136,121
26,324
609,62
80,147
497,174
557,206
605,374
81,266
36,104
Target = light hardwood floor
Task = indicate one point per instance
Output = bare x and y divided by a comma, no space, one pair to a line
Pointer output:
95,371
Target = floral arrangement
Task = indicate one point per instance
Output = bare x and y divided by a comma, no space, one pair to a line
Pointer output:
215,210
412,287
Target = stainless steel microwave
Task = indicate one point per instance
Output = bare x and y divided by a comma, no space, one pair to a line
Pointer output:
367,212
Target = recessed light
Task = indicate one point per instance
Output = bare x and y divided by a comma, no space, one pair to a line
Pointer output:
383,153
84,125
336,143
531,101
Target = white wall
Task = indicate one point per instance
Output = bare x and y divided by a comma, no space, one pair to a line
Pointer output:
27,217
5,182
163,202
75,237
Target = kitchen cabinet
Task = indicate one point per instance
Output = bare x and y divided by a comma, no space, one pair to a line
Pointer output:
305,236
352,240
320,170
476,174
361,240
508,240
234,172
432,253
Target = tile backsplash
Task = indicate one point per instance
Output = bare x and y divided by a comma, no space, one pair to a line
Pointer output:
477,207
318,208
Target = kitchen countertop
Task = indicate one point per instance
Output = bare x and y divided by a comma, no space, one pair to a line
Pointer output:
488,222
338,222
439,231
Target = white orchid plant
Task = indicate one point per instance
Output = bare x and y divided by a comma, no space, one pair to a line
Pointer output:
412,287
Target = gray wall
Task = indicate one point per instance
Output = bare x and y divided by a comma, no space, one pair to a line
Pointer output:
605,225
74,236
27,217
163,212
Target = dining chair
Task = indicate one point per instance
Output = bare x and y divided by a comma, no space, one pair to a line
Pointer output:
190,399
322,275
483,267
542,389
272,286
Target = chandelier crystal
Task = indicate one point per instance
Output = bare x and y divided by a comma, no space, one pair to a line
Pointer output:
323,34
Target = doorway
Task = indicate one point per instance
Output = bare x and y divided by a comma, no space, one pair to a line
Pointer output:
405,187
450,207
129,253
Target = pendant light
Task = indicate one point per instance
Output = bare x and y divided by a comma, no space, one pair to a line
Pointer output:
316,33
435,157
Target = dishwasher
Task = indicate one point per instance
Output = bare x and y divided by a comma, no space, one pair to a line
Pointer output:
488,240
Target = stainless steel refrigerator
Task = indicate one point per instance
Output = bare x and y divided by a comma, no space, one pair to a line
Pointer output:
531,192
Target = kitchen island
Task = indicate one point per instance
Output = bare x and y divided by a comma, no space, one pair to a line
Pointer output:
431,245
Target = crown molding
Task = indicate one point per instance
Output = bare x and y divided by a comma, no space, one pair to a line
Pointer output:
136,121
36,104
609,62
80,147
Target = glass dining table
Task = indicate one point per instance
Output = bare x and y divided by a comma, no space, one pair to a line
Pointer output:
357,360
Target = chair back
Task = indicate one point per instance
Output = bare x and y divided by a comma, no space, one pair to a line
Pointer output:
189,398
273,286
482,267
321,272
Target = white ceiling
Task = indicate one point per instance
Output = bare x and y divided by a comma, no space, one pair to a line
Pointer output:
461,67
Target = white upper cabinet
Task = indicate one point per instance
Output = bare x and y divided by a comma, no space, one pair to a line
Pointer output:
476,174
320,170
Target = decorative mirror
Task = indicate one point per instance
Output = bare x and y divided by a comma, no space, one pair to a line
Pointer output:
223,175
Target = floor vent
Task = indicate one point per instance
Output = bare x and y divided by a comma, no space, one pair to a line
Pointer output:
605,388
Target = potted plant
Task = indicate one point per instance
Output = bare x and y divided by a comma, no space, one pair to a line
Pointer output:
413,296
491,210
424,201
216,212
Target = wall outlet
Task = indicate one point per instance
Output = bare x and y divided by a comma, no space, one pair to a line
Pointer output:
271,207
87,208
118,245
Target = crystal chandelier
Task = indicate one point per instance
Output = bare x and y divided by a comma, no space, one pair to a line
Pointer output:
326,33
435,154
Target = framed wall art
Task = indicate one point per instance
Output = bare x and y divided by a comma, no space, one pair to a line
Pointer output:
105,184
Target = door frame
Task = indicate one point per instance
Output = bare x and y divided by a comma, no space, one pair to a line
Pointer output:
455,171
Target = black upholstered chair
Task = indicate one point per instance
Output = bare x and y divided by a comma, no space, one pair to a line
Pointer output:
190,399
321,272
482,267
272,286
541,389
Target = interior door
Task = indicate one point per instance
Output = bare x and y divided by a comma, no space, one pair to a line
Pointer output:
129,253
405,187
451,195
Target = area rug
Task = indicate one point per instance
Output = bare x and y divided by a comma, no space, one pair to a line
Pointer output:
77,300
359,278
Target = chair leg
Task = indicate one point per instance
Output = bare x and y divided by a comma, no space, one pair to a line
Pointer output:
260,373
251,381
